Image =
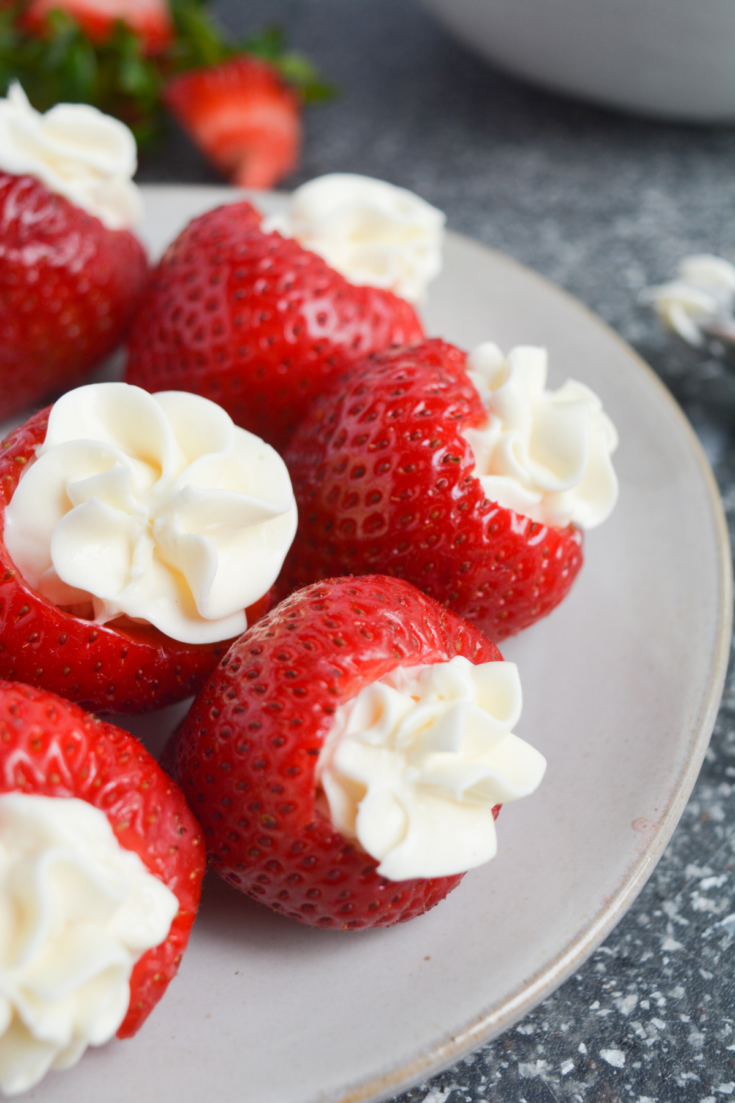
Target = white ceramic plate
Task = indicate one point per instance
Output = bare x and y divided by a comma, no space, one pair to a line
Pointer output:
621,689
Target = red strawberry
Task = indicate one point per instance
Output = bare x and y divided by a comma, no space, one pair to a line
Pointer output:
134,668
247,752
150,20
68,288
52,748
255,322
385,481
243,117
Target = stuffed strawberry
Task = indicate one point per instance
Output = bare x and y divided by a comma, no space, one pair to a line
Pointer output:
347,758
243,116
102,871
474,485
71,273
138,536
255,322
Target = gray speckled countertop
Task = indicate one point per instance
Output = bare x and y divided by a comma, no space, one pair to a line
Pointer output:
603,204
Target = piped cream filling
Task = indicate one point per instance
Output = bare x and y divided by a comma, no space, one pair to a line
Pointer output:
415,763
544,454
155,507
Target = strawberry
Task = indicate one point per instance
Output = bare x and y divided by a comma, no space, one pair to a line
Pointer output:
385,481
242,116
130,669
150,20
246,756
255,322
68,288
52,748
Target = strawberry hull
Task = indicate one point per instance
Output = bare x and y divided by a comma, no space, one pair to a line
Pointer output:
98,666
247,753
52,748
386,482
68,290
256,323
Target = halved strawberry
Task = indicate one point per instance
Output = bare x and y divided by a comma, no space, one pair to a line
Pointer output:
385,481
128,669
246,756
68,289
52,748
149,19
243,117
255,322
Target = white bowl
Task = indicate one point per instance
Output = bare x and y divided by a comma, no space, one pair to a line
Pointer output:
673,59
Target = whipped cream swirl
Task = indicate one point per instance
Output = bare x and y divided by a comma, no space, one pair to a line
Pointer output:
415,763
701,298
77,152
153,506
544,454
372,232
77,911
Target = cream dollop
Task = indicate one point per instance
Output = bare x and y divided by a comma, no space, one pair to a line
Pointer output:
700,298
153,506
77,910
77,152
370,231
544,454
415,763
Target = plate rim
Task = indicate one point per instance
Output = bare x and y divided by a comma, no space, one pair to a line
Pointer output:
432,1057
490,1023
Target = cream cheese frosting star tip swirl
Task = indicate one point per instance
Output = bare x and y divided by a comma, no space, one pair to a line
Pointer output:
415,763
77,911
371,232
156,507
544,454
77,152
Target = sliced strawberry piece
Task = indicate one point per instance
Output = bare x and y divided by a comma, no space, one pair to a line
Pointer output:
385,481
255,322
104,667
247,752
68,289
242,116
53,748
150,20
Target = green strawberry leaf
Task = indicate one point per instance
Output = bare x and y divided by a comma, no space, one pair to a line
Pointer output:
63,65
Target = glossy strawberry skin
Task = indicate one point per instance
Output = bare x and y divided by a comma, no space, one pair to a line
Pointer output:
100,667
242,116
68,289
247,752
256,323
385,482
51,748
